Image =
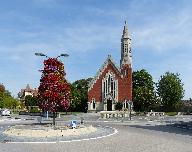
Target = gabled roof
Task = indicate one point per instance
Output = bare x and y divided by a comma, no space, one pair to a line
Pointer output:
109,60
28,89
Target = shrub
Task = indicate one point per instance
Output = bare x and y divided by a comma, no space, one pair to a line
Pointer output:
34,109
119,106
171,113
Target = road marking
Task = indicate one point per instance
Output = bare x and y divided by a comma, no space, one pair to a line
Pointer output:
33,142
67,141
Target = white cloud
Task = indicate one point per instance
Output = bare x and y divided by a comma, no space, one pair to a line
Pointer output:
170,32
160,33
177,64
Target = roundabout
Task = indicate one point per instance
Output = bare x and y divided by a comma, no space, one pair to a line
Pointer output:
36,133
109,135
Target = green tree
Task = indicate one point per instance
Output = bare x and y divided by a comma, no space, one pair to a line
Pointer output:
170,90
7,93
31,101
1,99
143,91
6,100
76,99
79,94
10,102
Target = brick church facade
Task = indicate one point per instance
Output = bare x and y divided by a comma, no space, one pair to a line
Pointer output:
111,83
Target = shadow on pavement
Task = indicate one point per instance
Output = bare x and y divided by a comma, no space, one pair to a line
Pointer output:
182,128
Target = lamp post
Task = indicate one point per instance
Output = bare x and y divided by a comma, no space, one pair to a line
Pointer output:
61,55
130,108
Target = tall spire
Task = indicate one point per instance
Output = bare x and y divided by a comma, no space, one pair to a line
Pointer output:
125,31
126,57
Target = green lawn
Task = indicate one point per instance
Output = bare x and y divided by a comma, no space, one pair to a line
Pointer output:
170,113
69,113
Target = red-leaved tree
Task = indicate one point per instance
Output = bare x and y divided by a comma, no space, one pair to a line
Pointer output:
54,91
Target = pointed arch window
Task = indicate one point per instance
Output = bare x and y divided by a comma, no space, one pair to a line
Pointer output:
109,86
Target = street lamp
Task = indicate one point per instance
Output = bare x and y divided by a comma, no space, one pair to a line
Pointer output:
130,108
41,54
64,55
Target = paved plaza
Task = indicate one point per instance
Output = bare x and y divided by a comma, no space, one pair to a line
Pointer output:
142,134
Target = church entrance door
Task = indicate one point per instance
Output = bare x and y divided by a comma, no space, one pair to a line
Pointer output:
109,105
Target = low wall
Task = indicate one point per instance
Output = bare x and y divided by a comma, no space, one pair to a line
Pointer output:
155,114
114,114
43,114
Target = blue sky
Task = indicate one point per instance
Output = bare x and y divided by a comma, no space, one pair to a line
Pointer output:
89,30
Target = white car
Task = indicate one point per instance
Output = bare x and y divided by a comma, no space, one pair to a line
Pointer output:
5,112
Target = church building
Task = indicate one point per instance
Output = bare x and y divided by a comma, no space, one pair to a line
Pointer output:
111,83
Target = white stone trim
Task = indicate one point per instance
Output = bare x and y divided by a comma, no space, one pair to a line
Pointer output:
117,92
108,89
100,71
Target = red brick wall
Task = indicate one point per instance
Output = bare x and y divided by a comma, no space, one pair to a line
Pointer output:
96,91
124,85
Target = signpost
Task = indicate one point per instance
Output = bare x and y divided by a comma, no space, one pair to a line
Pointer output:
73,124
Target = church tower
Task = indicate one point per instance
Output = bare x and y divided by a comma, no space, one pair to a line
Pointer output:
112,84
126,63
126,57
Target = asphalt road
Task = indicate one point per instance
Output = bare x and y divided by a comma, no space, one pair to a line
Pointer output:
130,137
